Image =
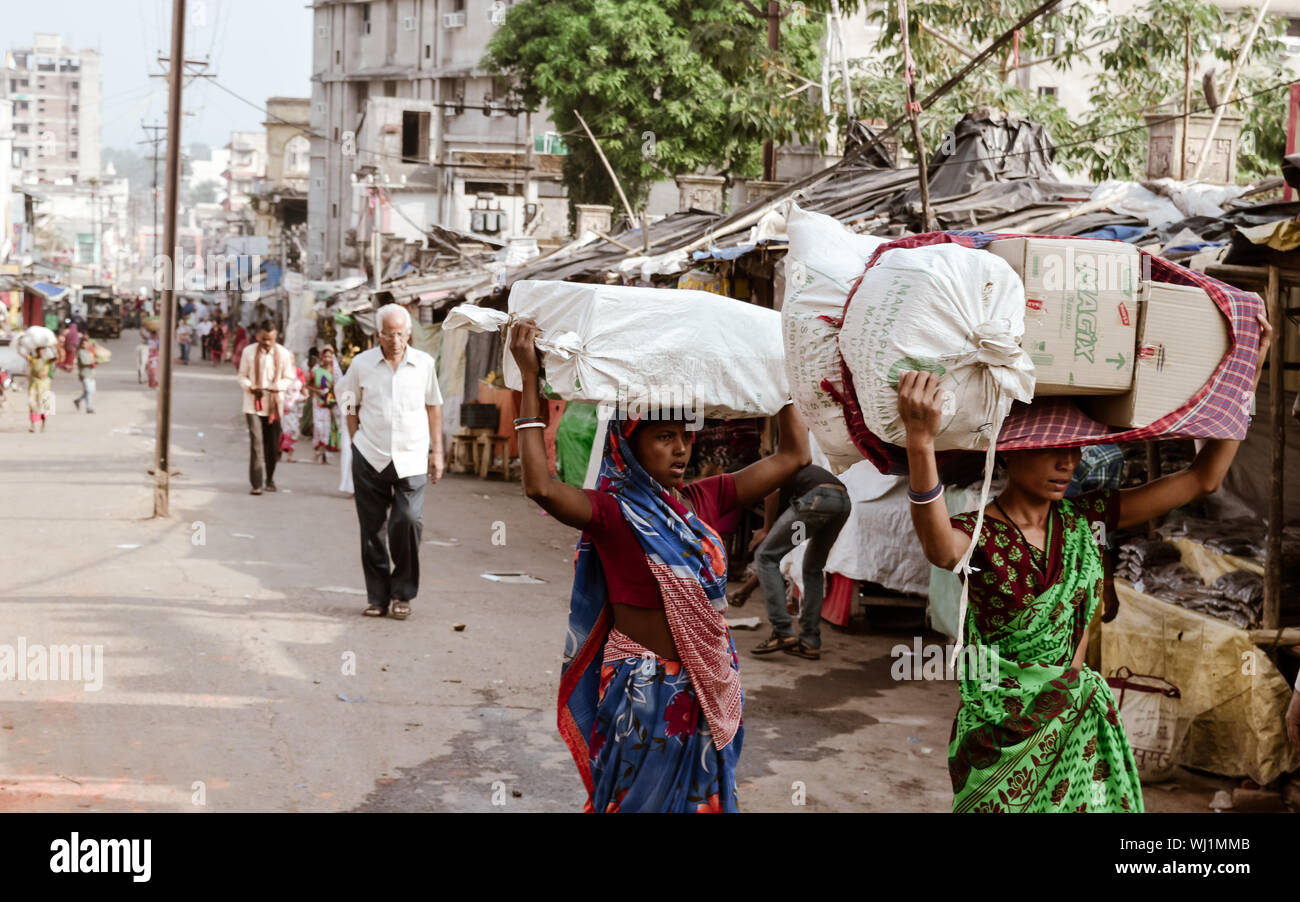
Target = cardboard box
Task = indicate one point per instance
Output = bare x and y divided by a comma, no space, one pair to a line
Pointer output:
1182,338
1080,311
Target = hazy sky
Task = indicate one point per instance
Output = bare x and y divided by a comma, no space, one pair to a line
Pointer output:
258,49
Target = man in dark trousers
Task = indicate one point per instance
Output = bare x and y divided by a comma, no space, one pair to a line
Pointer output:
816,506
265,373
393,405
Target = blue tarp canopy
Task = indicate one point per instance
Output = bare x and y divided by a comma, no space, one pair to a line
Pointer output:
49,290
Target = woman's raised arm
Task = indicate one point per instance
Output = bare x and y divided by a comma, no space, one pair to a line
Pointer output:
562,501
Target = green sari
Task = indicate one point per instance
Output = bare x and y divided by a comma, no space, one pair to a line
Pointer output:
1034,733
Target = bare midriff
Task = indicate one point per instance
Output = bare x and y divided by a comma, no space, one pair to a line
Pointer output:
648,626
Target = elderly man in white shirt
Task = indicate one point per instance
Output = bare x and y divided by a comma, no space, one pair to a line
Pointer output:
393,405
265,374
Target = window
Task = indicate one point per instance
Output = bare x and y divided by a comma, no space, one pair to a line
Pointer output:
74,108
415,136
458,6
21,128
21,106
72,155
13,82
365,16
338,57
75,85
334,210
500,189
24,82
1047,91
428,50
297,156
390,89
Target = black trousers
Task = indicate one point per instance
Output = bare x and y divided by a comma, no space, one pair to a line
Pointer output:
263,450
391,507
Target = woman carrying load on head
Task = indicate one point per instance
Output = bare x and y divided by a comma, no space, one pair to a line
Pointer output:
1037,730
650,697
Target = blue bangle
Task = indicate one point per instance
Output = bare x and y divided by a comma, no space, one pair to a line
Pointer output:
925,497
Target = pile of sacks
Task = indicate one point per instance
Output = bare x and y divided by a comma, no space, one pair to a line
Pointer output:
945,309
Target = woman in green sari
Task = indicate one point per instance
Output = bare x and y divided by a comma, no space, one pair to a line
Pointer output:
1037,730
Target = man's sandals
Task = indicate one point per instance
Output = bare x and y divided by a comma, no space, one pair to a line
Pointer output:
398,610
775,643
800,650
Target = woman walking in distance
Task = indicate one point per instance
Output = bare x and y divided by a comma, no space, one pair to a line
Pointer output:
1042,731
650,698
326,421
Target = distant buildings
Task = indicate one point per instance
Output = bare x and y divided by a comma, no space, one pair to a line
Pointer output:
57,100
409,132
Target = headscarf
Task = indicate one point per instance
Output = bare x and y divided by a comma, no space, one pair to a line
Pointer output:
689,561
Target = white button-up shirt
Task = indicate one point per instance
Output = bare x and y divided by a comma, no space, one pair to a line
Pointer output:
391,406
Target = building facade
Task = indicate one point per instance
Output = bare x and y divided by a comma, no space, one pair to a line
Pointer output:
409,132
57,98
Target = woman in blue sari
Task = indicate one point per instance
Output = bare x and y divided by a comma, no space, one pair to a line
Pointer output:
650,699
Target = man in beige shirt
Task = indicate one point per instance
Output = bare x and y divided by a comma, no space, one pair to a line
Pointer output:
265,373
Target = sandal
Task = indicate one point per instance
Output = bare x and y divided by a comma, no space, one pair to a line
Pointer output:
399,610
375,610
803,651
774,643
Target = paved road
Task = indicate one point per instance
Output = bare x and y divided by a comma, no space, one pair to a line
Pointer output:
227,630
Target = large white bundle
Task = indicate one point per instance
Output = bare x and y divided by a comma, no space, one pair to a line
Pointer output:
950,310
35,338
823,262
643,349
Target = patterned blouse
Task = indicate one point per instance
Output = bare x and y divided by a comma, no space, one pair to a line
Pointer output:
1008,575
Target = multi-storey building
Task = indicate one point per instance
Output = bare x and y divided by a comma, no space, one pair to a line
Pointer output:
57,95
409,132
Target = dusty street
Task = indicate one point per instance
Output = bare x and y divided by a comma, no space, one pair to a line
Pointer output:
227,630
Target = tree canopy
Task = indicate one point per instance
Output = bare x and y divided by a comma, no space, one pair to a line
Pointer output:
667,86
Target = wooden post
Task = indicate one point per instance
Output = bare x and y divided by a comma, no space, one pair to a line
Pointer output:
1187,96
1153,473
913,116
1277,417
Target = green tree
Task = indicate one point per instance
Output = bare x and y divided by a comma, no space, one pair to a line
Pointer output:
668,86
1140,58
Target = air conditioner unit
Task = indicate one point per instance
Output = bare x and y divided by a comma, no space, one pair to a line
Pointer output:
453,20
408,23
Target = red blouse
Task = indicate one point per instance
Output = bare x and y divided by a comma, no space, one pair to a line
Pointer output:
627,575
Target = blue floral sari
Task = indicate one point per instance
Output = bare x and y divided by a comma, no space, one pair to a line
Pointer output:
649,734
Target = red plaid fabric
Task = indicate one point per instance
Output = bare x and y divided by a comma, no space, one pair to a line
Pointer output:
1221,409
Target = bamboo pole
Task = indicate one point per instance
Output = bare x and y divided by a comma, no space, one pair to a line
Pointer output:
1232,86
1277,403
608,168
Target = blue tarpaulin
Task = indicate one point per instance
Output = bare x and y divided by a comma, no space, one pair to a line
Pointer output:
49,290
1121,232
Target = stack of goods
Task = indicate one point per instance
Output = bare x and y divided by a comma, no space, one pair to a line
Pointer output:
1140,555
1155,567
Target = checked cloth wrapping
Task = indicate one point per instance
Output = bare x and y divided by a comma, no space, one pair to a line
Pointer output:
1221,409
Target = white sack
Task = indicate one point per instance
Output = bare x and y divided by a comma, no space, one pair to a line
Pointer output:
948,309
36,337
651,348
823,262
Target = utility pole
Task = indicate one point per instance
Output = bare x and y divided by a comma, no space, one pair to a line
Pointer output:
162,456
914,116
155,157
773,15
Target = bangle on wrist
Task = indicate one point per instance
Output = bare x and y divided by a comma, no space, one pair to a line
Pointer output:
527,420
536,425
932,495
